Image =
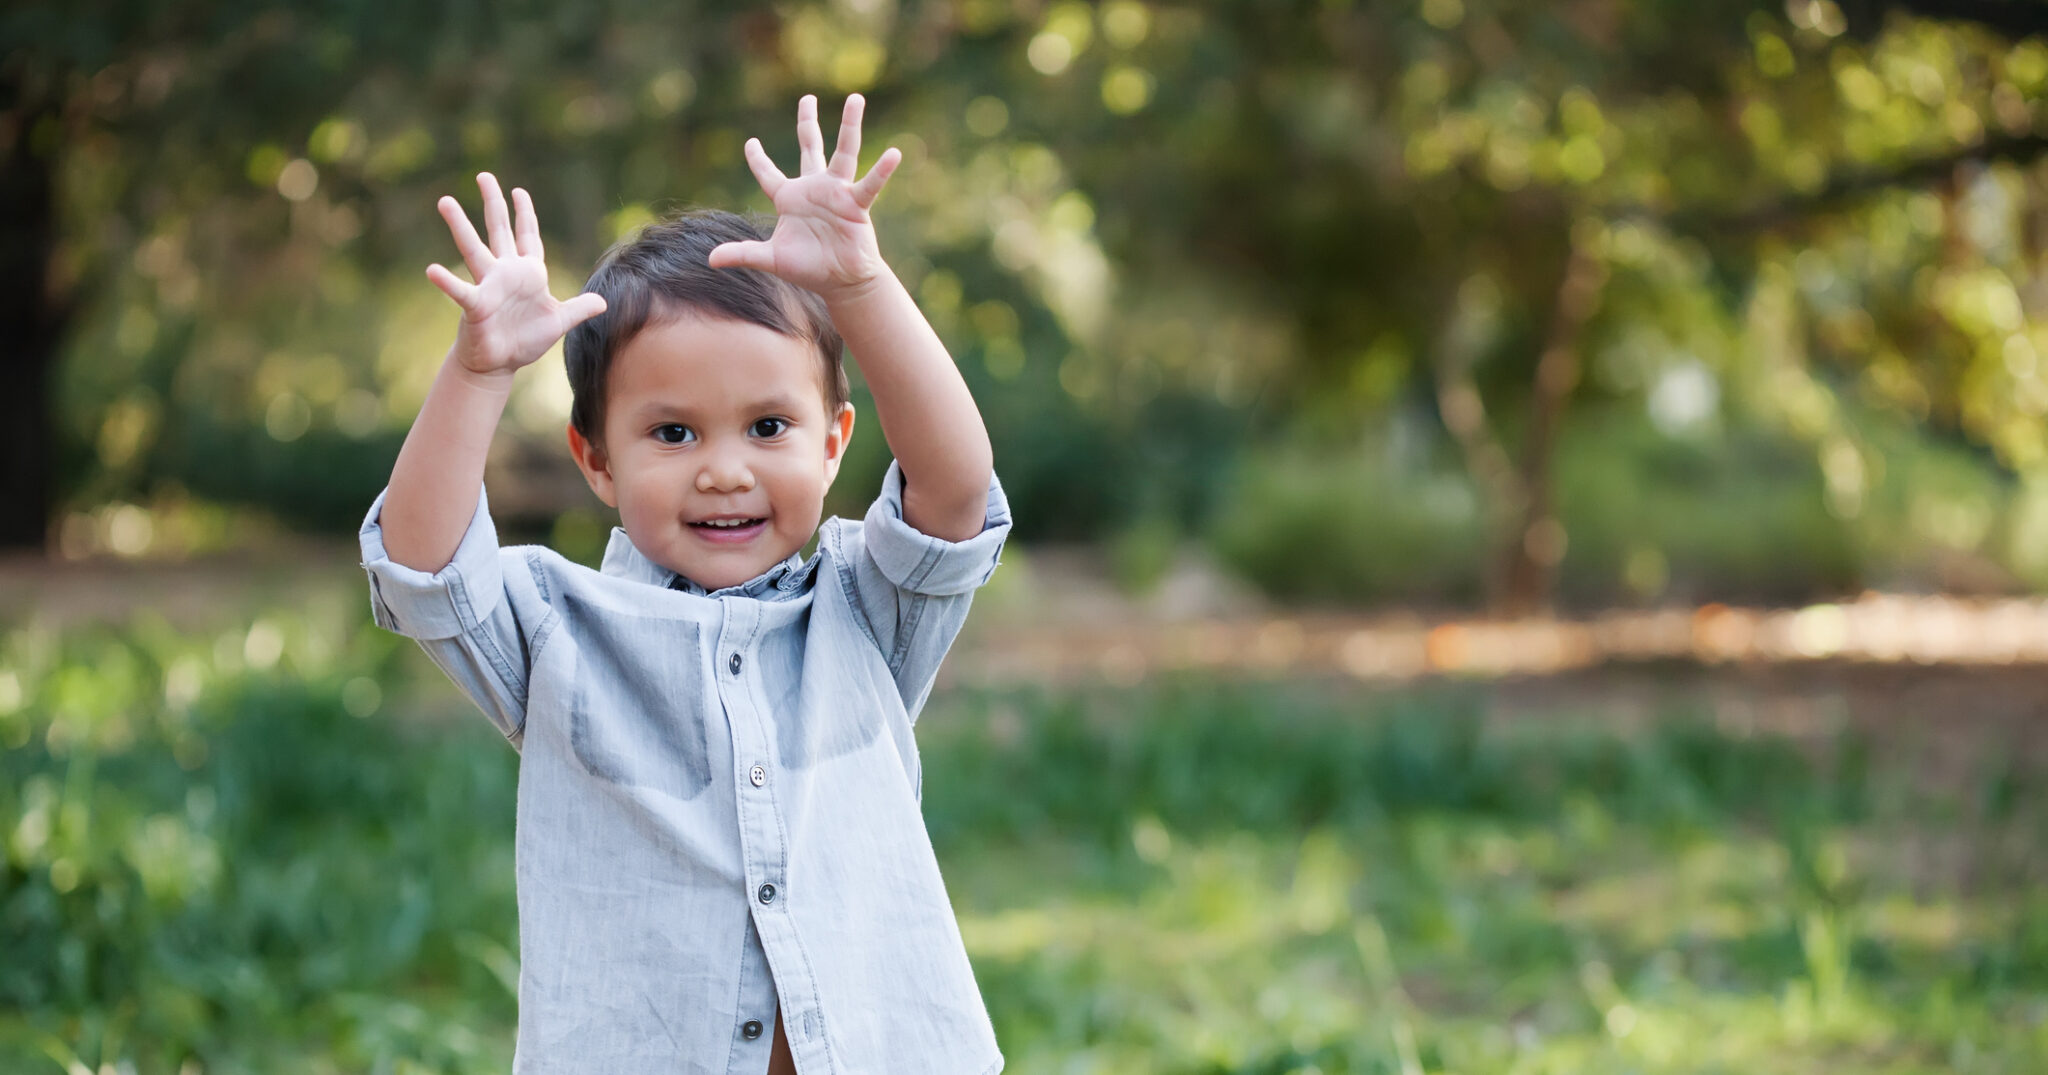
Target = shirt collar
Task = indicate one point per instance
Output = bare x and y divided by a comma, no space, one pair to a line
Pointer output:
623,559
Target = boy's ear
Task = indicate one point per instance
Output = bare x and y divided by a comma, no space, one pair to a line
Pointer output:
838,434
590,459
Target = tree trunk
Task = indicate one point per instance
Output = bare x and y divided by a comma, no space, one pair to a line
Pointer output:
1463,411
1537,545
30,318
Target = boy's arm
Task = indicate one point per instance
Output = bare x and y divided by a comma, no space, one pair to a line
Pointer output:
441,466
509,319
824,240
928,416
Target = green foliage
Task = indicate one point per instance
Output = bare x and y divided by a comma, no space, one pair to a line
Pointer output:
1080,474
1739,517
1205,759
1210,219
203,854
267,849
1744,512
1749,514
322,480
1338,529
1363,887
1142,553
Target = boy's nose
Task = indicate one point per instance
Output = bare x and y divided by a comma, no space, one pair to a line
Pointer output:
721,476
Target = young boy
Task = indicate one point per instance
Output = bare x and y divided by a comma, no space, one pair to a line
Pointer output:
718,822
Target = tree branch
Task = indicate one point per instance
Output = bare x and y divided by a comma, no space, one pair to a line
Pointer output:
1845,189
2016,19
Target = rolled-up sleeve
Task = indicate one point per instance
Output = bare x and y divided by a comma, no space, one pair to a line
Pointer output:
463,615
912,590
919,563
440,605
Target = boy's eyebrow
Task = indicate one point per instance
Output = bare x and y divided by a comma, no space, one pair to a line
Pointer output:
655,408
773,403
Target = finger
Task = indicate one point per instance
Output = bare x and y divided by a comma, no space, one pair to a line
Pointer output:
582,308
497,220
526,226
750,254
810,141
846,154
870,186
474,253
765,172
452,286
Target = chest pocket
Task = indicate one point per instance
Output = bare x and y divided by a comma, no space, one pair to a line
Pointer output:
822,704
636,717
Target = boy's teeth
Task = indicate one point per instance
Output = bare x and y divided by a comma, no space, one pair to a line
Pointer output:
728,523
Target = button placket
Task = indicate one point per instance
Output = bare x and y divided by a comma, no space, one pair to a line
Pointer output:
762,836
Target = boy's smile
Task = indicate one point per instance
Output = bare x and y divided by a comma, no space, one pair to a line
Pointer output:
716,448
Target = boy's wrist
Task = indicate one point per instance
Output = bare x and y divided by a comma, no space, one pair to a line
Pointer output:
497,381
852,295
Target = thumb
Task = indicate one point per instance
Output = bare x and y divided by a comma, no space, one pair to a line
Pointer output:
583,307
751,254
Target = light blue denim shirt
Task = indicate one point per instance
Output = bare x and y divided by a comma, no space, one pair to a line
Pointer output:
719,794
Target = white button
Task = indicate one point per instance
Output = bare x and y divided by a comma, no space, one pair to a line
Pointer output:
759,776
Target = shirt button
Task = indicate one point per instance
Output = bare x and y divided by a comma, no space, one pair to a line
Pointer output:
752,1030
734,664
758,775
766,893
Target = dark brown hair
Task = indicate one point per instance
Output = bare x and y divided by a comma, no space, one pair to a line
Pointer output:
664,271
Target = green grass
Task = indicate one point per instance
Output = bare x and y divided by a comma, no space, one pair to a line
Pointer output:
1396,886
280,849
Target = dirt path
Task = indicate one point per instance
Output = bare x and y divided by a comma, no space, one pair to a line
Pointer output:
1911,665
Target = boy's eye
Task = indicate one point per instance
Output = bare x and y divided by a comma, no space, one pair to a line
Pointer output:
671,433
770,427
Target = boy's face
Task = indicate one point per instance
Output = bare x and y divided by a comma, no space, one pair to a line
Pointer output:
709,419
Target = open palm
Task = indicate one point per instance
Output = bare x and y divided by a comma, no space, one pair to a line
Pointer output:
824,239
509,318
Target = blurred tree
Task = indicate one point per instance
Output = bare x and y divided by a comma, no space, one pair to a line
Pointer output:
119,124
1475,198
31,307
1133,221
243,199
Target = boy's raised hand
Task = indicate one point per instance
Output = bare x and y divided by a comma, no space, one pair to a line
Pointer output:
509,318
823,239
